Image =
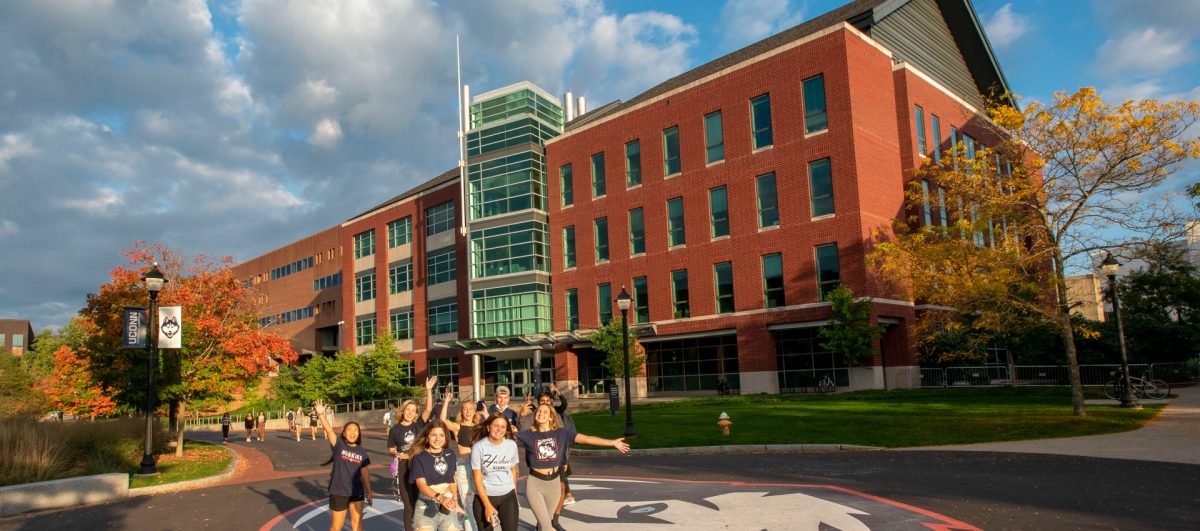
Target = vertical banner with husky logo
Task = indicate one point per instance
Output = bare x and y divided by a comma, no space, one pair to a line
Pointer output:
170,327
133,328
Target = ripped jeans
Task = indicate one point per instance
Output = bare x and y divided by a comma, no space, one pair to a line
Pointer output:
466,494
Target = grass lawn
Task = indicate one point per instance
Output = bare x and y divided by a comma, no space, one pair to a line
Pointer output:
892,419
200,460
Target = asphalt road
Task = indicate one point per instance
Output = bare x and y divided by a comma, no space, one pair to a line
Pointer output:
984,490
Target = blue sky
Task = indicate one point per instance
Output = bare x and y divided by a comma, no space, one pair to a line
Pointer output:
232,128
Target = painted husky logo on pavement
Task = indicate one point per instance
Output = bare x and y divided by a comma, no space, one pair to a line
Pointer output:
640,504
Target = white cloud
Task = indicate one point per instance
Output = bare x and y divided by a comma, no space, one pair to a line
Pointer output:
1005,26
326,133
1148,51
1133,91
105,201
13,146
747,21
8,227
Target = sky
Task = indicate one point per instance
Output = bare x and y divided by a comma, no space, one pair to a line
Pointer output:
236,127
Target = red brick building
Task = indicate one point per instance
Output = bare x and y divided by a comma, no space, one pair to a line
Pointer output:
726,200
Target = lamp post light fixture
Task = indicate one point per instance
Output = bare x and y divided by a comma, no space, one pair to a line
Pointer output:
623,302
1110,266
154,280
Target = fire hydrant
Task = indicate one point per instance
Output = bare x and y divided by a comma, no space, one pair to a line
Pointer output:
724,423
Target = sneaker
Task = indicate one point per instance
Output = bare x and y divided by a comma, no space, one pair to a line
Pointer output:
557,526
568,500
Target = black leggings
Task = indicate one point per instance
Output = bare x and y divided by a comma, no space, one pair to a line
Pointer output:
506,505
408,494
225,432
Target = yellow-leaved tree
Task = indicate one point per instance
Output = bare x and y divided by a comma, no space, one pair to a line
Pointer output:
990,231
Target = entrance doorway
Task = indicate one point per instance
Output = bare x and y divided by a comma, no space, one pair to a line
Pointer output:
517,375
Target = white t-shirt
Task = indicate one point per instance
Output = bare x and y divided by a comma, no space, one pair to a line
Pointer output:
495,462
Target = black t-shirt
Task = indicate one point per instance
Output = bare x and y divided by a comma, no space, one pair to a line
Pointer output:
546,449
249,422
437,469
345,479
401,437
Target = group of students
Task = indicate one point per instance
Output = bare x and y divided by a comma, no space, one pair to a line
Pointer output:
445,468
259,423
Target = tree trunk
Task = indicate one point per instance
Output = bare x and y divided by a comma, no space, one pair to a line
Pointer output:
1064,323
179,433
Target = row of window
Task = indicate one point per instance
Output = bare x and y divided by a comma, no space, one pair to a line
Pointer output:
440,266
294,267
828,278
287,317
820,181
815,120
443,319
438,219
18,340
327,281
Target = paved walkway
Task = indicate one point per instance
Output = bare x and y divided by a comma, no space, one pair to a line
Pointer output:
1170,437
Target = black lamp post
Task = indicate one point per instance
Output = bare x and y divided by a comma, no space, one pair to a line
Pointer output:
623,301
1111,266
154,283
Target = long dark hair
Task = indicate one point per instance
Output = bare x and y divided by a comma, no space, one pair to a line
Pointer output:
422,441
348,441
481,429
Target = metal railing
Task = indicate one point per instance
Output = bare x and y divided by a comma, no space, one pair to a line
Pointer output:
347,407
1051,375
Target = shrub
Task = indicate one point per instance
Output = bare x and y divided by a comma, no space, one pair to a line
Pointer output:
33,451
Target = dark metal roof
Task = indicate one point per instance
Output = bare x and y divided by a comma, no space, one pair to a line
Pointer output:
959,15
445,177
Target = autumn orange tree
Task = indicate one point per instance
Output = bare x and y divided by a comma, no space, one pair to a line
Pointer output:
224,349
1058,182
72,388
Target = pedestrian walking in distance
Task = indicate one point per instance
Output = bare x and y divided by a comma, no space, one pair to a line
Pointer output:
262,424
349,479
225,422
298,428
291,416
249,426
313,423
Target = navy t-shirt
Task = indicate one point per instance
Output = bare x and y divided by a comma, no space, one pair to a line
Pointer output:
401,437
546,449
437,469
508,413
345,479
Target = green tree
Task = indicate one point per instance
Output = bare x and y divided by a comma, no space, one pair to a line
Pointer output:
850,330
1081,171
387,369
607,339
39,360
17,395
1160,304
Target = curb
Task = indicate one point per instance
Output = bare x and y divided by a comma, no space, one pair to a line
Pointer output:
192,483
738,449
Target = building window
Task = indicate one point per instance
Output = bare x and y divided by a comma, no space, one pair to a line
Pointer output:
814,105
440,266
675,232
327,282
598,184
641,300
714,138
920,118
443,318
820,180
760,121
444,369
364,331
679,292
723,274
568,185
942,206
828,270
937,137
399,232
573,309
400,277
637,232
768,201
569,247
718,208
926,209
671,164
605,299
364,244
364,287
601,239
402,324
18,340
633,163
772,266
512,310
507,184
439,218
511,248
692,364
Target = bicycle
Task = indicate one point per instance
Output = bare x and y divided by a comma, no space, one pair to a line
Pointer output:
826,385
1141,387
